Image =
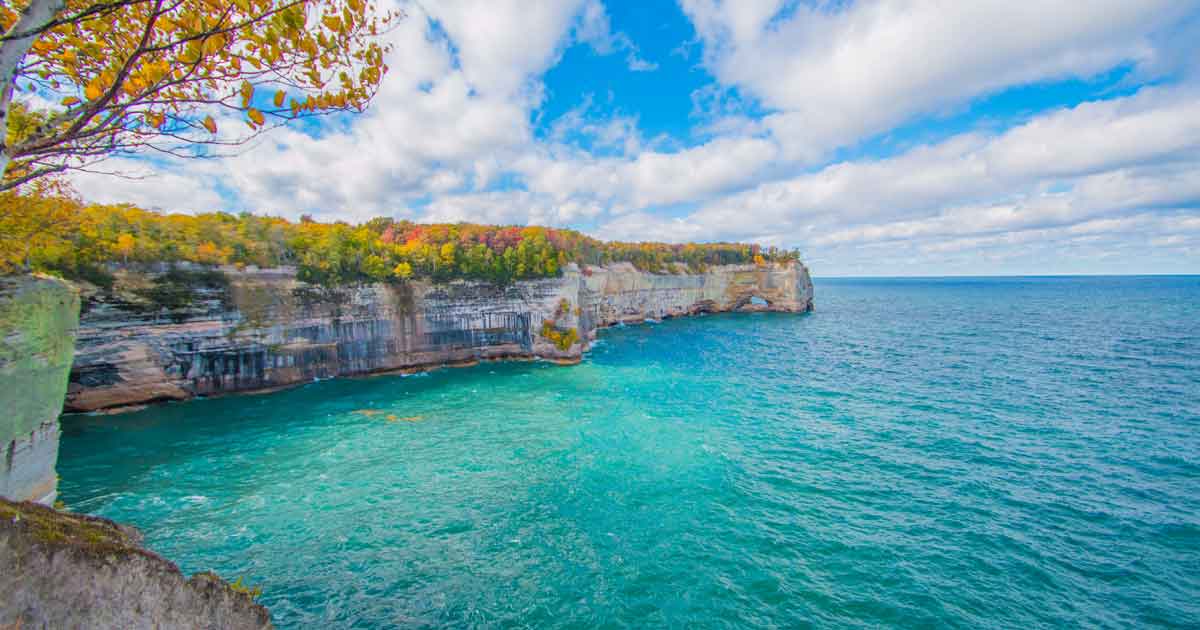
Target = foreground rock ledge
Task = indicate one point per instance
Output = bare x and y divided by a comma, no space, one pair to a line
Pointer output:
62,570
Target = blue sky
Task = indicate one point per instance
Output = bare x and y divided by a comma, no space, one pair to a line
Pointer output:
885,137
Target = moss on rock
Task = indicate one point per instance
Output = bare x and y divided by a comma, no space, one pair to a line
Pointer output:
38,319
61,570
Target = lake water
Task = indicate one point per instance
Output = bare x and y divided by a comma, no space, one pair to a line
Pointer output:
1019,452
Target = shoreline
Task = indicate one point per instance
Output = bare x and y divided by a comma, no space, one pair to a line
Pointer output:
424,368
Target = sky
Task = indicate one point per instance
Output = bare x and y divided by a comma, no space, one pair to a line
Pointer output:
880,137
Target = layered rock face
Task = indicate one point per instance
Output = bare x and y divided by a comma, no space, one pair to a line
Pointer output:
38,318
61,570
256,330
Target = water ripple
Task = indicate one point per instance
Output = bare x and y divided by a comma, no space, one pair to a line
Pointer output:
951,453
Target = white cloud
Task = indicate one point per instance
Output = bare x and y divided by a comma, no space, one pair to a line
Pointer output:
1096,161
453,123
1150,127
595,29
501,44
508,207
148,187
835,74
651,178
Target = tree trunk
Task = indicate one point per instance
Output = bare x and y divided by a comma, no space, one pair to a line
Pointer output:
38,14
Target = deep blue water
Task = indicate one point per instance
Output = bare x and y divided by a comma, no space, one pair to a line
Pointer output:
940,453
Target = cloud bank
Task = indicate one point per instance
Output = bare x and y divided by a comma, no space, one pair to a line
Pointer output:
799,154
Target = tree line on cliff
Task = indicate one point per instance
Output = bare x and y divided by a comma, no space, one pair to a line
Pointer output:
67,237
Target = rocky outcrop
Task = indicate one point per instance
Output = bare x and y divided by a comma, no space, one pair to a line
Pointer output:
260,329
38,318
61,570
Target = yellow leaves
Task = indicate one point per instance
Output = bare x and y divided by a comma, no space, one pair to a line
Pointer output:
42,47
256,117
125,244
192,53
309,45
247,92
100,27
204,51
134,85
214,44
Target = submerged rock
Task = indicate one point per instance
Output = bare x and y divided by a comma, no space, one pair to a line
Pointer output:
62,570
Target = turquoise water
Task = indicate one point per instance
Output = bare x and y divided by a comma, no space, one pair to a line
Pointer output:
966,453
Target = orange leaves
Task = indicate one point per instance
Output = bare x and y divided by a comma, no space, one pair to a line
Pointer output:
255,116
247,92
214,44
197,54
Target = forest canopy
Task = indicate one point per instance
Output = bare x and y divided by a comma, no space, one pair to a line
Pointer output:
67,237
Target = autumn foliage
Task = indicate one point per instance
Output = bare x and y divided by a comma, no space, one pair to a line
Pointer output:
165,75
85,240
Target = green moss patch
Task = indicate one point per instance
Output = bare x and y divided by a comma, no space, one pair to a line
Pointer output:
46,526
38,320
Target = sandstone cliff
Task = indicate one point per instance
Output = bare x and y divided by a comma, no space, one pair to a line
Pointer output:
38,317
61,570
259,329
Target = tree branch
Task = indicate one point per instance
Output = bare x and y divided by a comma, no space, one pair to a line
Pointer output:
91,11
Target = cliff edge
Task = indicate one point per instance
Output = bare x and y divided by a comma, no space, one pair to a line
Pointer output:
179,332
38,318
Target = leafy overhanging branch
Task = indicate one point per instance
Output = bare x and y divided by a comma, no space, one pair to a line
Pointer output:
134,75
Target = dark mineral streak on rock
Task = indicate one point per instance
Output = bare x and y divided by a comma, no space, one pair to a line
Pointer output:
261,329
